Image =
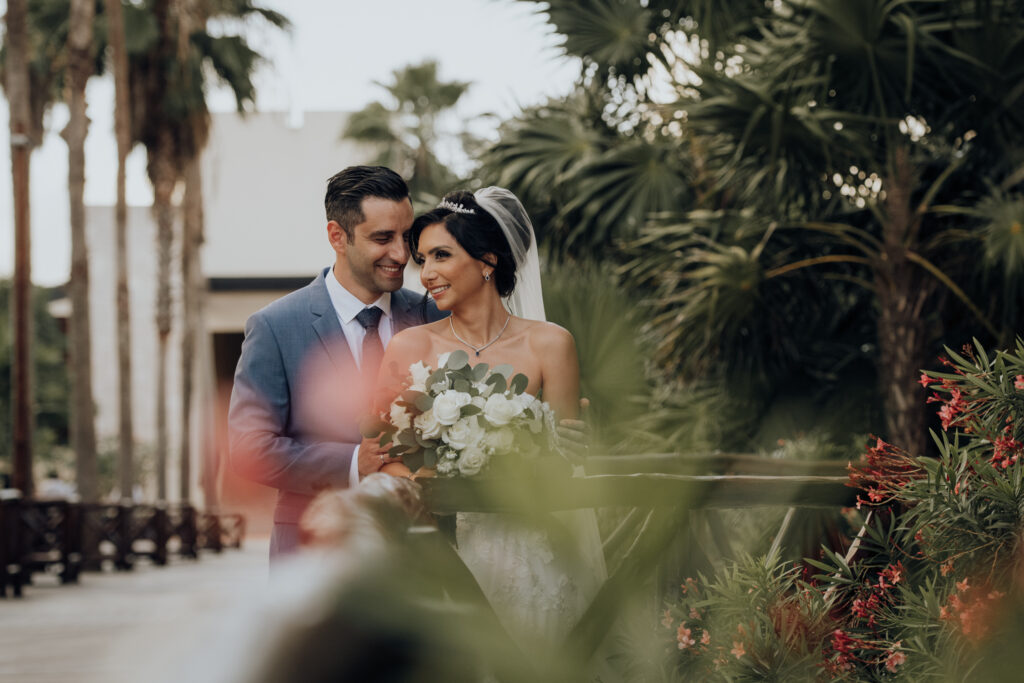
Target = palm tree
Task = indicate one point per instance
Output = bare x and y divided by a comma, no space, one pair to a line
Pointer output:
17,84
167,79
81,60
853,140
405,132
122,131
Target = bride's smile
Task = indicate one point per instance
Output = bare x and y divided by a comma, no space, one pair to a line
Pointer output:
449,273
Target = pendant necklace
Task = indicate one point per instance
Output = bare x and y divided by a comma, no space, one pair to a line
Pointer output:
478,349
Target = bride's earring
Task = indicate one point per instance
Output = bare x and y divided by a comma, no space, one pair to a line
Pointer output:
487,277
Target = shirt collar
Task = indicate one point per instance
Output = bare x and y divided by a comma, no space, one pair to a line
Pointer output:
347,304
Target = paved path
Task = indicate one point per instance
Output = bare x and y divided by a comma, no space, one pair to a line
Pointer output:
113,626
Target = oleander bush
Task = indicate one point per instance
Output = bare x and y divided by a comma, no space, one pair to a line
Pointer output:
930,582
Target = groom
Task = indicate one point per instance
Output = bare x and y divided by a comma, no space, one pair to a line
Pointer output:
309,359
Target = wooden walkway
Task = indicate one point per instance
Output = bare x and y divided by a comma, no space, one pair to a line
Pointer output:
121,627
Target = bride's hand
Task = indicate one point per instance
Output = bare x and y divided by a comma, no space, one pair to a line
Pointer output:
574,435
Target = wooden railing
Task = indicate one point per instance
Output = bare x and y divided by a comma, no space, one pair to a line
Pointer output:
66,537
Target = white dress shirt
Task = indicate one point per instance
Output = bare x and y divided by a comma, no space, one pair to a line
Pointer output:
347,306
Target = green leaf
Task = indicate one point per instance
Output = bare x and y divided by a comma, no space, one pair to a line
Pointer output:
469,410
411,396
430,458
461,385
414,461
480,371
519,384
505,370
425,402
457,359
372,426
498,382
436,376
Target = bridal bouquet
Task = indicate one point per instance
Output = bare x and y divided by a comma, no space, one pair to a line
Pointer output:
460,418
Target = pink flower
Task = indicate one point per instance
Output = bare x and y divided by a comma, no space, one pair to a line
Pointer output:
667,620
1018,382
684,638
737,649
895,659
925,380
705,638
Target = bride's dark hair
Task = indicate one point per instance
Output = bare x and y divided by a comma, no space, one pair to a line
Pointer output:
478,233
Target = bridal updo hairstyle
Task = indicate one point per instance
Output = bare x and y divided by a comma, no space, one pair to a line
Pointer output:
478,233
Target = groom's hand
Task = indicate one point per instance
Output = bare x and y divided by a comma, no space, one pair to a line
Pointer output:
372,456
574,435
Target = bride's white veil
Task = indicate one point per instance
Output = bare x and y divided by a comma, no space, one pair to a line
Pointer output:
527,299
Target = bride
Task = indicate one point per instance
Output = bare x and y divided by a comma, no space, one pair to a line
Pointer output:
478,253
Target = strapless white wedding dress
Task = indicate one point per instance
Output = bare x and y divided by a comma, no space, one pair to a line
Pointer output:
540,575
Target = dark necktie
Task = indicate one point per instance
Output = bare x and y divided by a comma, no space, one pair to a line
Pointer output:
373,348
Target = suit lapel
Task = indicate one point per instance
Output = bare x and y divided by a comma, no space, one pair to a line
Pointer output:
404,311
326,325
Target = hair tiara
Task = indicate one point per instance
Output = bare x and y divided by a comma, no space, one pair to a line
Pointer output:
456,207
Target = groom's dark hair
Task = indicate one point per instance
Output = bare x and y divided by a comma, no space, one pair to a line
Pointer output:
347,189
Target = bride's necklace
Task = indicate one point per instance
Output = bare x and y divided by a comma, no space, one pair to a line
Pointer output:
478,349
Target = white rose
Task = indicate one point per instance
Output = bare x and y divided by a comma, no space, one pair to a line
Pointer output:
439,387
463,433
499,410
445,467
483,388
420,373
400,416
448,406
473,460
479,402
427,424
500,440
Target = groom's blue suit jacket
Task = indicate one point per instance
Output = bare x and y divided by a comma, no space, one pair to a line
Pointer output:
298,398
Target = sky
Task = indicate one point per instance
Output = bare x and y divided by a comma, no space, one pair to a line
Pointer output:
329,60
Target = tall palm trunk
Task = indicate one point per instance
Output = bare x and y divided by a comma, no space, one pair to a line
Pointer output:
164,176
83,425
18,90
122,129
902,293
192,237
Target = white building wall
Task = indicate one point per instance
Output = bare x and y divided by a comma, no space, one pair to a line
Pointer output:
264,180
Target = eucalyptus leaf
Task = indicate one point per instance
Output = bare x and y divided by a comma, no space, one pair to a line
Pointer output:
425,402
519,383
499,383
372,426
436,376
461,385
504,370
457,359
430,458
480,371
469,410
410,396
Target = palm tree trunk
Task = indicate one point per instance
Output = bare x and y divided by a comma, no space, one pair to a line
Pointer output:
83,426
18,89
903,334
191,239
164,177
126,436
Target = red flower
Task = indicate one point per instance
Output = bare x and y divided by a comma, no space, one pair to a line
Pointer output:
925,380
